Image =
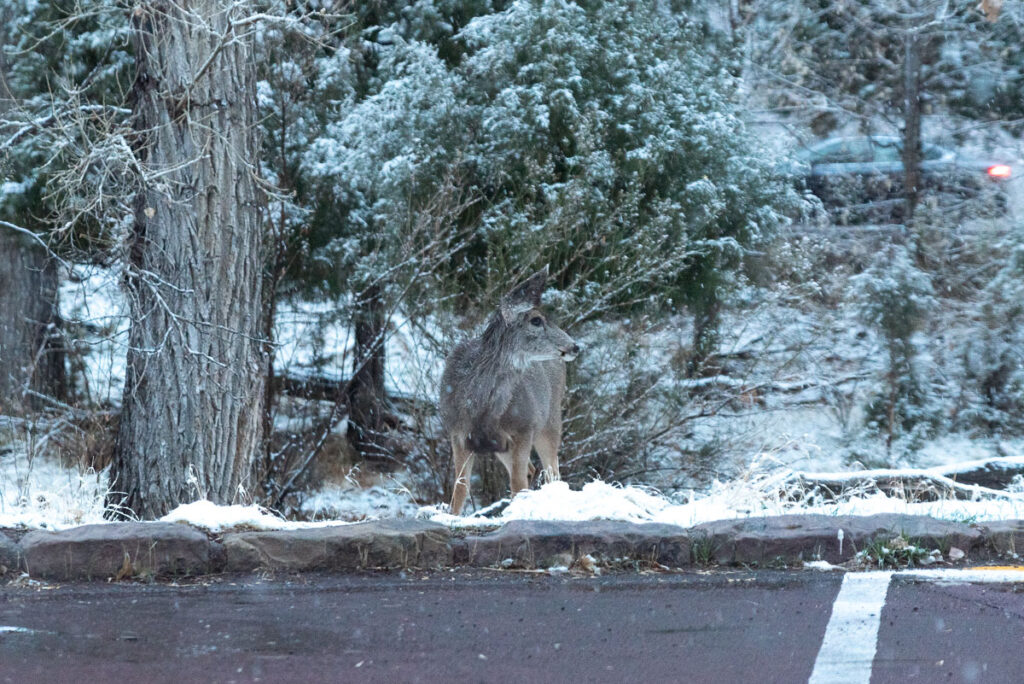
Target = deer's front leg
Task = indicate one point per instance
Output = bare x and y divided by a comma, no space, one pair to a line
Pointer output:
517,463
547,445
462,462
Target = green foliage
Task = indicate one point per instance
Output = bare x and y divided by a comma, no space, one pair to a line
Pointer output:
67,74
983,74
607,143
348,132
895,297
438,151
898,551
703,549
598,138
993,390
853,53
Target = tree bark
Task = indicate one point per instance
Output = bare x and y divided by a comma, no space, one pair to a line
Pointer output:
705,334
191,417
367,400
911,125
31,353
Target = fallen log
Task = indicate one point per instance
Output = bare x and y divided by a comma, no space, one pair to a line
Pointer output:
973,480
994,473
311,387
326,388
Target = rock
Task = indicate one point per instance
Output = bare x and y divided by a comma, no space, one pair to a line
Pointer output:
790,539
116,550
926,532
398,543
544,544
759,541
1005,537
9,553
120,550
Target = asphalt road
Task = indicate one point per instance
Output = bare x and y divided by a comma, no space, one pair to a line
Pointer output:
497,627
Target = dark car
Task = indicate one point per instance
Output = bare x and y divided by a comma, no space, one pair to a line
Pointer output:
860,180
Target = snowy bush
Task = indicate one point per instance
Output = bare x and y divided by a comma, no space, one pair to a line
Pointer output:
598,139
895,297
992,396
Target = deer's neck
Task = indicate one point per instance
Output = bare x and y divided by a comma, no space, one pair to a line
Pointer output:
497,370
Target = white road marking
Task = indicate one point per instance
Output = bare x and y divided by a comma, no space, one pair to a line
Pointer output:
851,638
974,575
11,629
848,649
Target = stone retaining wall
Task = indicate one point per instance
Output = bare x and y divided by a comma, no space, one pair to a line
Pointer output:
124,550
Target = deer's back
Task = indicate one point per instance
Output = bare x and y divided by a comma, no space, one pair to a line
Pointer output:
483,393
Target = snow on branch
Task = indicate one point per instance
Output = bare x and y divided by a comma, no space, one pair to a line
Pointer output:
972,481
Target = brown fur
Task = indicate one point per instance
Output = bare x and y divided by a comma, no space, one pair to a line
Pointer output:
501,393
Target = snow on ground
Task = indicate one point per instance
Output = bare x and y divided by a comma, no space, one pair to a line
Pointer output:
314,337
42,495
808,375
816,371
216,519
752,497
352,503
311,337
39,493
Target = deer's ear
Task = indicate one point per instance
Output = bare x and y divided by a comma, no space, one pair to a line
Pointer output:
510,311
526,295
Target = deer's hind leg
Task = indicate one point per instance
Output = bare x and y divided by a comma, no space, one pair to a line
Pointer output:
462,462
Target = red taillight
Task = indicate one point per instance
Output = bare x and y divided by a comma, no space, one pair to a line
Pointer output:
1000,171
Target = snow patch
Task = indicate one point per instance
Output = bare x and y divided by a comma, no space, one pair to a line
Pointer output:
92,304
744,498
597,500
39,493
821,565
214,518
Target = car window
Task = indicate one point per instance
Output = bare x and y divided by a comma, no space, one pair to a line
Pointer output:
863,150
886,150
842,152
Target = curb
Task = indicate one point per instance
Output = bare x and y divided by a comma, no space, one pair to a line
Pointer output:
166,550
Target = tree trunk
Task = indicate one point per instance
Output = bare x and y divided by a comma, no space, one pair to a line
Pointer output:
191,417
911,125
31,353
366,395
705,333
31,356
264,470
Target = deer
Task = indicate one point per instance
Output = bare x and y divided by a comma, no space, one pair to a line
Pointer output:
501,393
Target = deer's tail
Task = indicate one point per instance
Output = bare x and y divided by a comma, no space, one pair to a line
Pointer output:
486,441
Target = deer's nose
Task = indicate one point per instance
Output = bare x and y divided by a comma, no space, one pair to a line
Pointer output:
569,352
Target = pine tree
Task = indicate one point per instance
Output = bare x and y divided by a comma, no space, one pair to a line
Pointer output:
59,69
895,297
610,143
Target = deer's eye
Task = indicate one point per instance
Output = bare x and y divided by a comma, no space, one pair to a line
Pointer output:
537,321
